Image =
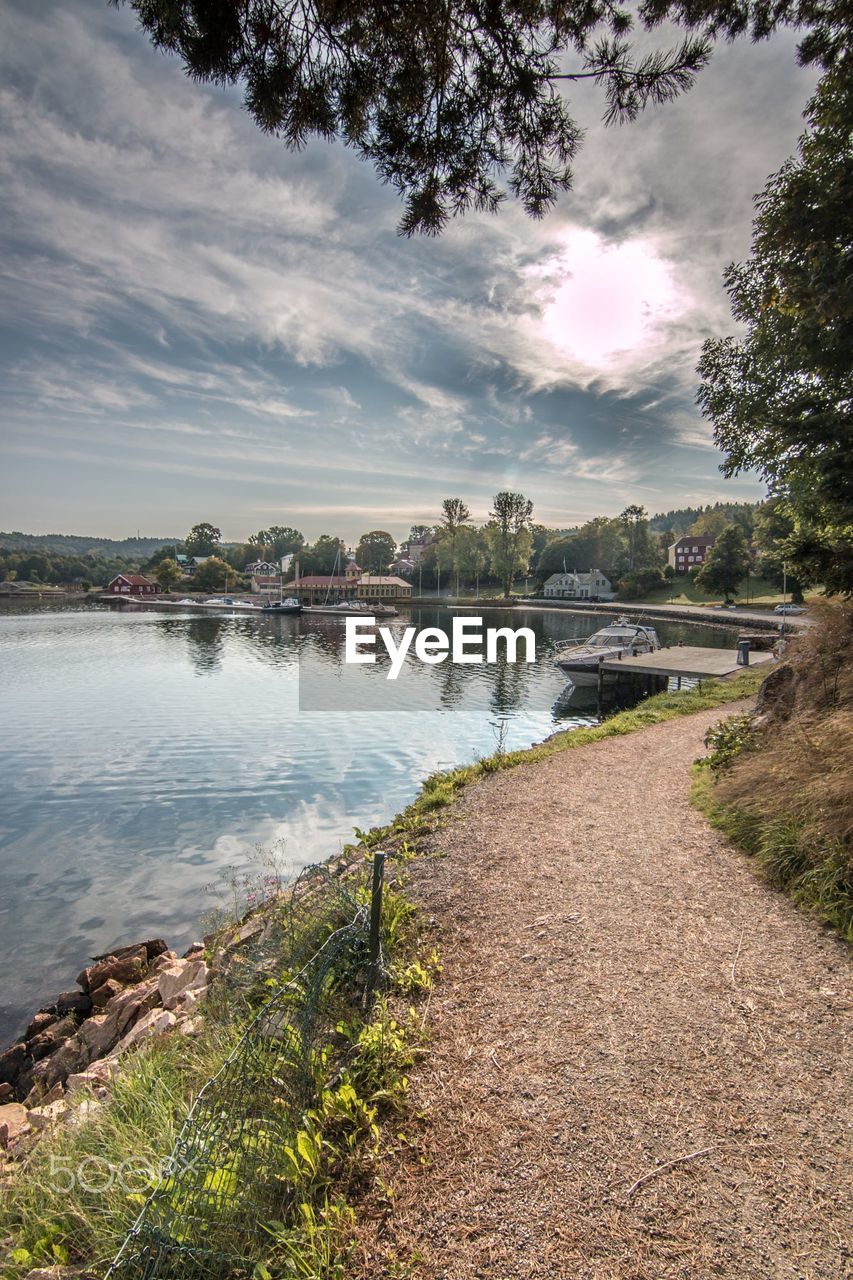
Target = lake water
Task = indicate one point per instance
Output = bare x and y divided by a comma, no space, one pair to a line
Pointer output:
143,753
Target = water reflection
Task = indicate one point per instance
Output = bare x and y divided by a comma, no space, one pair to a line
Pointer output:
144,751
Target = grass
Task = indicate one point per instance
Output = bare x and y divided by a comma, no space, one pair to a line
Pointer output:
780,786
54,1216
82,1187
817,876
759,593
441,789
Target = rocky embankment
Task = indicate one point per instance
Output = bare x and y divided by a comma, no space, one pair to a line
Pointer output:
75,1043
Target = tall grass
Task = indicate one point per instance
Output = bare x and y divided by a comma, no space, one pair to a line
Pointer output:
786,796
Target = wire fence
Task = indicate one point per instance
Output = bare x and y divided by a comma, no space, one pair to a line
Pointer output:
224,1178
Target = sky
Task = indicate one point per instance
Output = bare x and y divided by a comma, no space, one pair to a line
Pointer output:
196,324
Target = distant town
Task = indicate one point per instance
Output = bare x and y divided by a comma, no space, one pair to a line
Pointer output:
724,550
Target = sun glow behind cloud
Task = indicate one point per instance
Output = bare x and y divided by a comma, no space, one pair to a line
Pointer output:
602,303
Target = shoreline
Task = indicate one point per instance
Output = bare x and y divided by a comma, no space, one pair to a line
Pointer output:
559,739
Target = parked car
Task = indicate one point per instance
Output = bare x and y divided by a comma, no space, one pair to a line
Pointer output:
788,608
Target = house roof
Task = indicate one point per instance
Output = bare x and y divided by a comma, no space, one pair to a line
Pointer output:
366,580
700,539
135,579
319,580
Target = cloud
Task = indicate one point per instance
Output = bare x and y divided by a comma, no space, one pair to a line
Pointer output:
180,287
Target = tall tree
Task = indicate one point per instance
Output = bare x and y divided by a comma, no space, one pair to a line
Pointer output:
454,514
781,398
775,533
213,575
202,540
726,564
375,551
509,537
322,556
168,574
470,555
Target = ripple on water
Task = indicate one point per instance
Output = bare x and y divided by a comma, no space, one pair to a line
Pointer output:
143,754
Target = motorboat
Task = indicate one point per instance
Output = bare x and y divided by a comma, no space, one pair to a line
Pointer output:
352,609
288,605
579,659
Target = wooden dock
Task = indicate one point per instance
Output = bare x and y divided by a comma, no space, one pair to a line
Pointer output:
683,660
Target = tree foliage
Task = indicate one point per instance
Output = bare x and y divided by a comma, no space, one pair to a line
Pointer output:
202,540
276,541
781,398
214,575
375,551
726,564
323,555
509,537
168,574
441,96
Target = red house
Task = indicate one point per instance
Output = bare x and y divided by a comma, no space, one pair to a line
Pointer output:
689,552
133,584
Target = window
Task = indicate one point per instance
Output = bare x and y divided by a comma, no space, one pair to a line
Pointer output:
690,558
695,548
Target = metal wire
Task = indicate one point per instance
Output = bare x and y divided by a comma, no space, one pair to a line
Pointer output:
223,1180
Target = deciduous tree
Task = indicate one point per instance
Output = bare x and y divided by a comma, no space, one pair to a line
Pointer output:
202,540
454,515
509,538
168,574
726,564
781,397
375,551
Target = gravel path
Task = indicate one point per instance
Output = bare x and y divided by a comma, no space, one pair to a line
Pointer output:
620,991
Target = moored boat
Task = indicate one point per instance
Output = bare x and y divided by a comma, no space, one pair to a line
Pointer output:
289,605
579,659
352,609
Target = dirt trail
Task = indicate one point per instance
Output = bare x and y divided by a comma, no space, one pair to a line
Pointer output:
620,991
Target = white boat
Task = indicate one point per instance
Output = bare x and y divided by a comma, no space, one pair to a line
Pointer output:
353,609
228,602
579,659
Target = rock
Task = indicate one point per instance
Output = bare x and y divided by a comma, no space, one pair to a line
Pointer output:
154,1023
13,1123
194,949
87,1111
186,1001
48,1114
189,1027
72,1056
153,947
43,1019
74,1002
103,994
38,1097
162,962
90,1079
179,978
248,930
47,1041
13,1062
7,1093
131,966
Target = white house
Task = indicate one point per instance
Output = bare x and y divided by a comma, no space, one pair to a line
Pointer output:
578,586
263,568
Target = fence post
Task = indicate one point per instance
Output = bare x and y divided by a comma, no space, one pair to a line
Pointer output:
375,922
